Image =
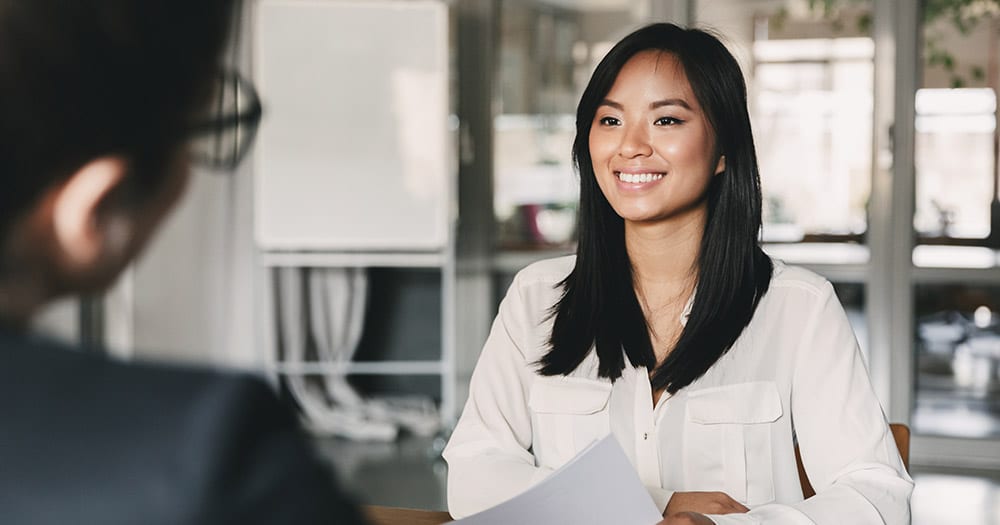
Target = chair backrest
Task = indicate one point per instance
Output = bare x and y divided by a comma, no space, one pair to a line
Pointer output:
900,433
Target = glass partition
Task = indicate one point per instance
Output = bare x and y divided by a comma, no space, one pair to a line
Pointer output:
957,335
957,360
810,84
956,109
546,53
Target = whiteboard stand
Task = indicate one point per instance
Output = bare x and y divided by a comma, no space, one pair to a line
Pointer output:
354,164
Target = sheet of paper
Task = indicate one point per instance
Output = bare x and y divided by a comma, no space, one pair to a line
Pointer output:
597,487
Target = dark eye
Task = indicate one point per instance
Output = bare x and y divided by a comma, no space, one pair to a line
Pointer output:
668,121
609,121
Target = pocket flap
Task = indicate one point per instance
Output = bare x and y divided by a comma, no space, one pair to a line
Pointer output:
743,403
569,395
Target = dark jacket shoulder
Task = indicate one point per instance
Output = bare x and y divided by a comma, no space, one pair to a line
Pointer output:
87,439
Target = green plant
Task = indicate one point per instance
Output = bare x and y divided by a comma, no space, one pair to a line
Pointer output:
963,15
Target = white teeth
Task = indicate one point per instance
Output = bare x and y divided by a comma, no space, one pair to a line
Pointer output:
639,178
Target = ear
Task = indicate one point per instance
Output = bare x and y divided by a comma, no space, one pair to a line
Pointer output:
721,165
83,231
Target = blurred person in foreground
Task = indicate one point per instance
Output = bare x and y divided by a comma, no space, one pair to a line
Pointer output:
99,103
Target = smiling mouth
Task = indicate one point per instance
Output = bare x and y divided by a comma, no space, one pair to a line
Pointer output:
638,178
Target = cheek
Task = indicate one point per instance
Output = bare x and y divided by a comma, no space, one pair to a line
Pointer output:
696,153
601,150
603,183
684,150
600,154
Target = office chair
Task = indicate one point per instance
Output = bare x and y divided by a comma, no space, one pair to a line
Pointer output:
900,433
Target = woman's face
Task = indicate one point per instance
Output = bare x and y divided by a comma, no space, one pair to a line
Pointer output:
652,148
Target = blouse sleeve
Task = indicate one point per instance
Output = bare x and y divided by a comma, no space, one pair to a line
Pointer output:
489,457
847,448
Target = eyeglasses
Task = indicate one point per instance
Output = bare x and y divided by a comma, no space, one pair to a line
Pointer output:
223,140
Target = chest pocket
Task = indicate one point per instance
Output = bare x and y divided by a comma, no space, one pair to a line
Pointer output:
727,440
568,413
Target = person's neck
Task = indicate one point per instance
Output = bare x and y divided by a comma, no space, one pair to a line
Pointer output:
664,255
19,301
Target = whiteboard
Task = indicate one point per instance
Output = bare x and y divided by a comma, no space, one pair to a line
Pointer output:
354,149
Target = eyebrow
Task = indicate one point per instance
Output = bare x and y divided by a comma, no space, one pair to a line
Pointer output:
658,104
670,102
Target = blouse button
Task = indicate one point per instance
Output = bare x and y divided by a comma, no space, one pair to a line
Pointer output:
645,436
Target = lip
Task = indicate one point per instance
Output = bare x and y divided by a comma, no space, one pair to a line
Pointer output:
637,186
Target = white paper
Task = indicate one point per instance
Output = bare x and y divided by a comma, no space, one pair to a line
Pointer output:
597,487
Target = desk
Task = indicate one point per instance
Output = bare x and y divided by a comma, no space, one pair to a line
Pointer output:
395,516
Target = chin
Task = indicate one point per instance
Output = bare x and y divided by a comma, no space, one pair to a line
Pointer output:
641,215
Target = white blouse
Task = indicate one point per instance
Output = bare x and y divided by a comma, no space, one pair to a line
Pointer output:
795,372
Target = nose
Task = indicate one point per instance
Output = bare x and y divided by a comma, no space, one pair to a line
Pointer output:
635,143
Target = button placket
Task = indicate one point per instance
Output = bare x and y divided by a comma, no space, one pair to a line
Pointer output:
647,452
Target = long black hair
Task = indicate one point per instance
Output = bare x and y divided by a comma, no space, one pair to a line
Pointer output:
598,306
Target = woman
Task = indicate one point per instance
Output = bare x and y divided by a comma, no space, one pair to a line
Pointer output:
671,329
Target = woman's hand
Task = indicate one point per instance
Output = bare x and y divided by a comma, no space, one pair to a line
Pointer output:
686,518
704,503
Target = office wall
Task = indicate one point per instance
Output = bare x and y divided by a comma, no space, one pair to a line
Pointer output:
191,294
193,288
